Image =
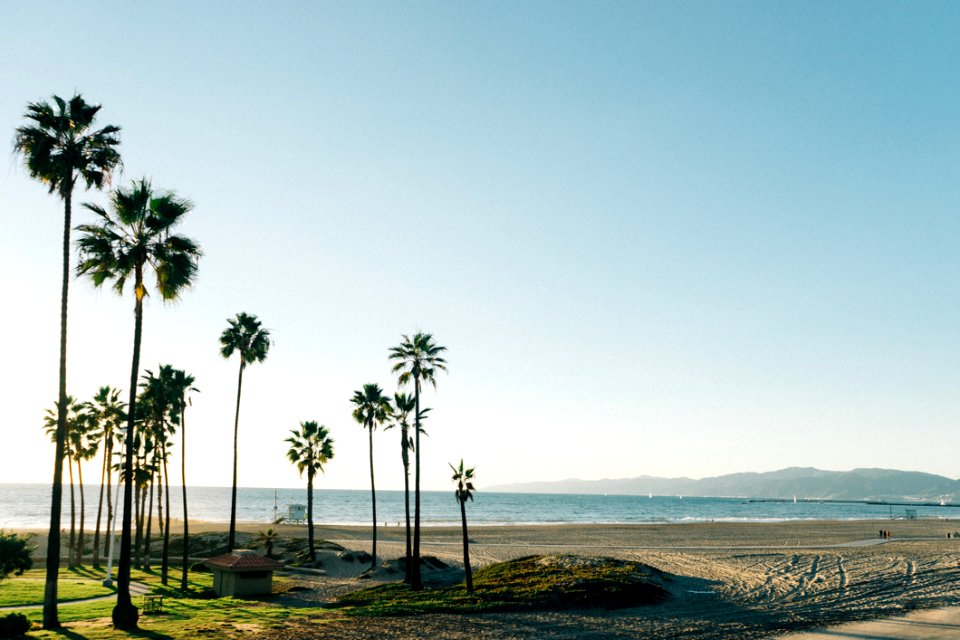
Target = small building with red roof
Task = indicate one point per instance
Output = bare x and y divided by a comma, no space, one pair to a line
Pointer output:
242,573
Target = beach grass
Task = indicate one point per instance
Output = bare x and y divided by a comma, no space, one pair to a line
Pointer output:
524,584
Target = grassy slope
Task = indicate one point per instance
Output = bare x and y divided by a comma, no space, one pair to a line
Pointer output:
524,584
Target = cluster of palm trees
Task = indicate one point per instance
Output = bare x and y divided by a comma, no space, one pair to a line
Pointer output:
416,359
97,424
89,425
131,239
162,403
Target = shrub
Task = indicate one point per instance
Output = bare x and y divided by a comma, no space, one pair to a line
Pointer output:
14,554
200,567
13,625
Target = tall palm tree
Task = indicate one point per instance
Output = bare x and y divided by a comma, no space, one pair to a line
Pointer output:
463,478
310,449
162,398
60,148
151,410
85,443
106,410
181,385
404,404
143,479
74,417
372,408
142,472
136,236
417,359
251,341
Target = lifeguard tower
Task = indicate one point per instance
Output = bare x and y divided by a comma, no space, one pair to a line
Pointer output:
297,513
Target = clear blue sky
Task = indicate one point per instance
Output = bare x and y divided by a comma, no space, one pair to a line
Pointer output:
657,238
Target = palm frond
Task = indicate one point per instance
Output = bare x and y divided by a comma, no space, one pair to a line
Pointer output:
62,145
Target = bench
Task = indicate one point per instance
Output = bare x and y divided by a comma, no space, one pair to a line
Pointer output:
152,604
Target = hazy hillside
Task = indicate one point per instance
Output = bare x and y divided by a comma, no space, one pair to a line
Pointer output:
803,482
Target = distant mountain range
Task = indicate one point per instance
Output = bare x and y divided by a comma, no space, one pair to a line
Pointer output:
802,482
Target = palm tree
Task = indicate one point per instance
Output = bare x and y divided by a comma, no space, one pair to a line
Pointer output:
60,148
162,398
246,336
463,478
50,426
310,449
106,410
371,408
267,539
142,472
181,385
143,481
417,359
148,459
404,404
137,236
85,442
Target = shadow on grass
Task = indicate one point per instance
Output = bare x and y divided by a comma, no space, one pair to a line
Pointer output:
70,634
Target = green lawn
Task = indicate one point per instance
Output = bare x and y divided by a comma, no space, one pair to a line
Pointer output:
182,617
73,585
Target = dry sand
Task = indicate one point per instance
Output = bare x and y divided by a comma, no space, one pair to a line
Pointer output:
730,580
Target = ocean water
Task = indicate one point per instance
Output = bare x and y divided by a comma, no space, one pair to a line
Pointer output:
28,506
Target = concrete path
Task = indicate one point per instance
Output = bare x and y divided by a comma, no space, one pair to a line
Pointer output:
136,589
934,624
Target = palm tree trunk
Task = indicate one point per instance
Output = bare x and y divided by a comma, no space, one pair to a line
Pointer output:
146,535
72,552
466,546
405,449
232,542
416,580
165,562
183,481
79,557
110,511
139,519
313,553
96,533
50,618
373,497
142,530
124,613
160,488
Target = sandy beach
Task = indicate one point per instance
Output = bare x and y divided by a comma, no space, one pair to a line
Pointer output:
728,580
